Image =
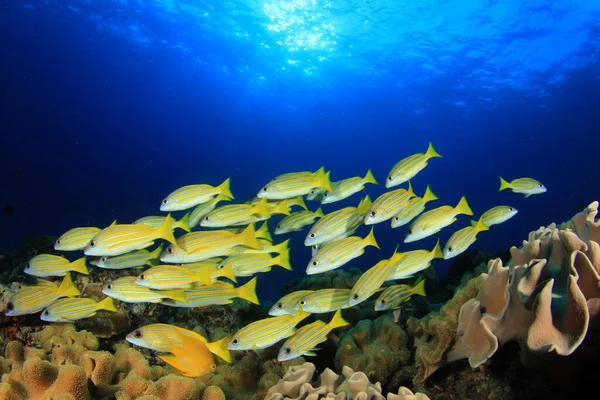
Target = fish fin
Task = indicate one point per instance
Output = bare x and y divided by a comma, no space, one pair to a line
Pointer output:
463,207
527,194
300,202
227,272
311,353
397,256
321,170
364,205
504,184
337,321
184,222
248,291
300,315
263,232
281,247
66,288
260,208
224,189
281,208
248,237
221,197
410,190
203,276
324,182
220,349
319,212
431,152
283,259
172,361
113,223
175,294
419,287
107,304
369,178
155,254
165,231
79,266
437,251
370,239
479,226
429,195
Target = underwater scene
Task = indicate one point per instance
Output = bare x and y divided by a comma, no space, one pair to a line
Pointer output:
299,199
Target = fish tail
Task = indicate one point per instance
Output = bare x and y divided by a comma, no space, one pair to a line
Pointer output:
248,291
155,254
319,212
263,232
337,321
300,314
107,304
429,195
431,152
503,184
79,266
324,182
67,289
419,287
282,247
165,231
364,206
300,202
175,294
227,272
410,190
479,226
283,259
224,189
437,251
203,276
370,239
369,178
281,208
184,222
260,208
220,349
221,197
463,207
248,237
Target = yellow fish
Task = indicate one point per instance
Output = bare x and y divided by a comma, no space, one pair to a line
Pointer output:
133,259
75,239
166,277
202,210
154,221
388,204
433,221
347,187
527,186
288,304
250,264
233,214
409,263
415,206
325,300
44,265
73,309
409,167
394,296
192,195
219,293
31,299
297,221
126,290
498,215
286,187
370,281
192,358
463,238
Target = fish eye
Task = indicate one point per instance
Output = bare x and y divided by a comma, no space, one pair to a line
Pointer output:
278,226
142,276
389,178
279,305
169,250
302,302
511,209
10,306
396,218
541,185
355,297
220,266
314,263
213,366
58,241
109,286
410,231
450,248
312,192
165,201
312,235
382,301
103,259
372,213
235,341
325,194
137,334
206,218
265,189
315,247
93,243
287,350
46,312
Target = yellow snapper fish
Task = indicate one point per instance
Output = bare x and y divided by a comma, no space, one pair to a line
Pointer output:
198,246
337,224
167,277
305,340
123,238
192,358
432,221
338,253
286,187
463,238
264,247
161,337
250,264
266,332
394,296
214,268
154,221
316,194
289,175
409,167
73,309
133,259
45,265
298,220
280,205
347,187
406,264
261,233
288,304
126,290
31,299
370,281
77,238
527,186
498,215
233,214
325,300
192,195
219,293
415,206
388,204
202,210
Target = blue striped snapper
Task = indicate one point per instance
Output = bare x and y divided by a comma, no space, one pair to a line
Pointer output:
213,266
260,233
415,206
335,254
123,238
250,264
202,210
154,221
288,304
219,293
371,280
498,215
30,299
191,195
233,214
347,187
463,238
161,337
126,290
45,265
305,340
316,194
73,309
527,186
388,204
278,206
409,263
134,259
301,174
325,300
166,277
338,223
409,167
266,332
394,296
298,220
286,187
77,238
432,221
264,247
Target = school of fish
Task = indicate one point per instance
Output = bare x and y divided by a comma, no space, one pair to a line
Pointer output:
222,243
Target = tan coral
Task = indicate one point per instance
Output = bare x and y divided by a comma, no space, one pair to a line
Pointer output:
405,393
213,393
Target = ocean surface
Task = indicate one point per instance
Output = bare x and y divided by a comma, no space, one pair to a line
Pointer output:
108,106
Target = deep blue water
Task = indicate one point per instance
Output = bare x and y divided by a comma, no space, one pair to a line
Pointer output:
109,106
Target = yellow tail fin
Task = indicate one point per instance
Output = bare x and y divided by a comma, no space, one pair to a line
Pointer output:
319,212
283,260
419,287
369,240
248,291
156,252
463,207
429,195
263,232
323,181
176,294
437,251
280,208
369,178
225,271
504,184
79,266
203,276
165,231
107,304
297,201
479,226
184,222
67,289
220,349
431,152
364,206
282,247
248,237
337,321
224,189
300,315
260,208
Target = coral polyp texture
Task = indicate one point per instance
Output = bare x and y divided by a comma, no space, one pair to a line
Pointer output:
543,300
